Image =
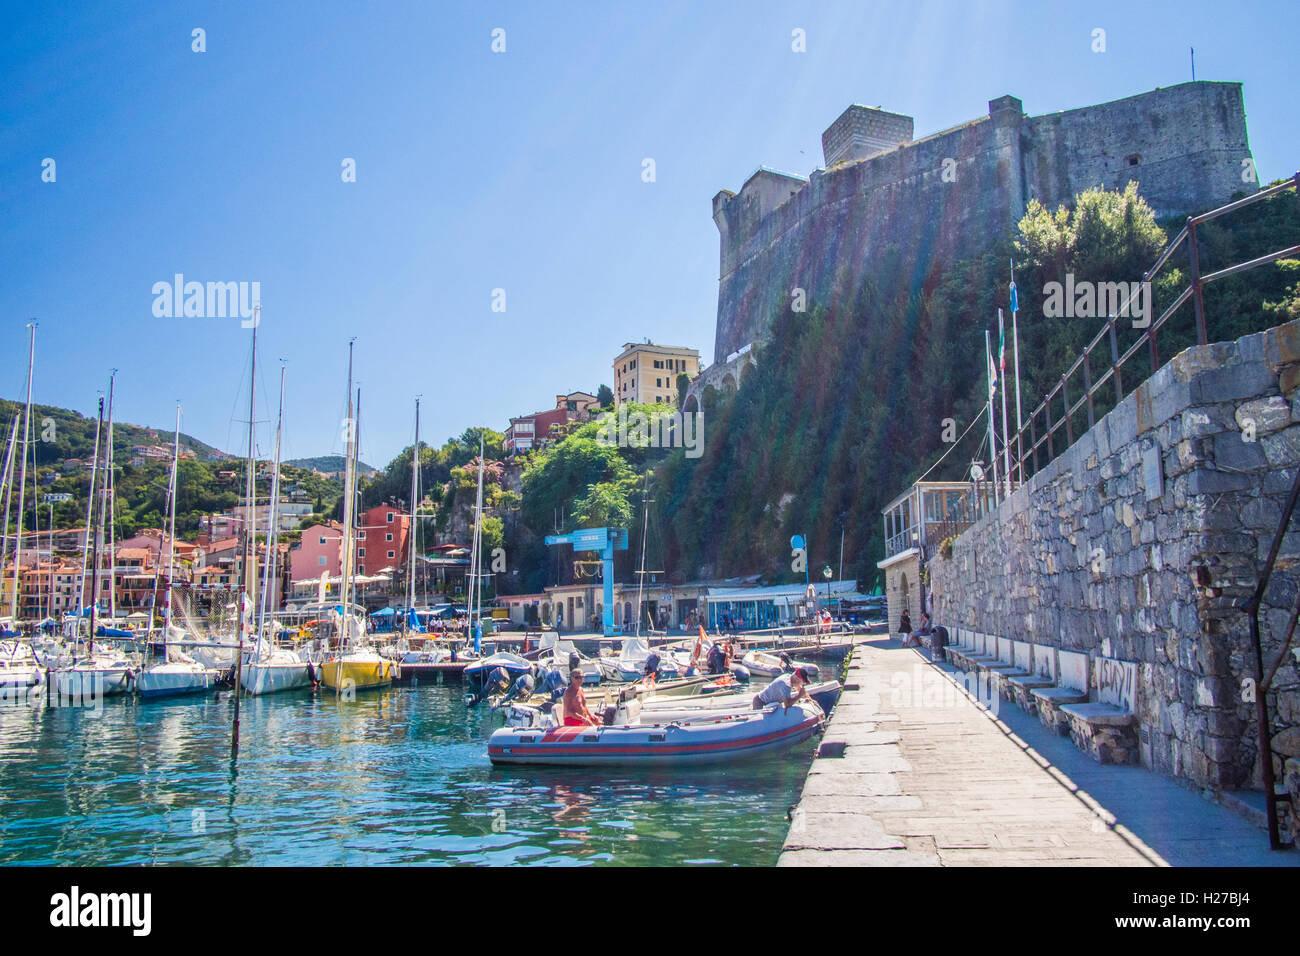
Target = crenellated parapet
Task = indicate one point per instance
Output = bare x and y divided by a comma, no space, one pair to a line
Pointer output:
886,198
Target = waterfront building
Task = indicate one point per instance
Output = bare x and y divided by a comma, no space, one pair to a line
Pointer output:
916,523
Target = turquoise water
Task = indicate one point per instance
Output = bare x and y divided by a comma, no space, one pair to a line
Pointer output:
396,776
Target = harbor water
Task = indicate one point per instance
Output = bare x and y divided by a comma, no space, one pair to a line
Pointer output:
397,776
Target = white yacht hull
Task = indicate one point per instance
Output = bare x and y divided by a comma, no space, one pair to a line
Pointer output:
270,677
80,683
171,680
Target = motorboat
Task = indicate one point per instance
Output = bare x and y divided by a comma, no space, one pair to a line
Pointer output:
636,738
477,673
557,653
769,665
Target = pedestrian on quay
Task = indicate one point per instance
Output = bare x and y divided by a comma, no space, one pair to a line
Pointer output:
905,625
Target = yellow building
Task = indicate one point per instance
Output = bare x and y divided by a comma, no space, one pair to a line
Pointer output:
647,373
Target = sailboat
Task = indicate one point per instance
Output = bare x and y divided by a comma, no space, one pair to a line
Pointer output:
272,668
177,673
102,673
355,665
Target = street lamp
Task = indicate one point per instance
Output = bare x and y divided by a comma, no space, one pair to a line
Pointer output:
827,573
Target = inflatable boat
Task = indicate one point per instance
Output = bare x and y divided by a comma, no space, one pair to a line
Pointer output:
716,738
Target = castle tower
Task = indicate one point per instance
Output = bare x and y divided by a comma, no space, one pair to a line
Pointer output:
862,131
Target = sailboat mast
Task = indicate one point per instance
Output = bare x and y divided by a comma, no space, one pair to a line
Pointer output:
171,509
645,529
477,589
273,525
415,474
94,581
110,488
356,457
9,493
250,487
171,527
345,569
90,511
22,468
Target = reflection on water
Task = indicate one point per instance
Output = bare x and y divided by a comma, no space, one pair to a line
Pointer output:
396,776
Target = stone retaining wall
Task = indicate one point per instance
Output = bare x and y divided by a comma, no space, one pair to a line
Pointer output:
1141,542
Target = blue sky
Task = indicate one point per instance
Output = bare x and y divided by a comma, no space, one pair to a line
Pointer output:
476,171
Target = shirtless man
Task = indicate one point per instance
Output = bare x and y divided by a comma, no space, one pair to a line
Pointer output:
576,713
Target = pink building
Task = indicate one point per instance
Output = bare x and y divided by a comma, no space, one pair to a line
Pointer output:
319,551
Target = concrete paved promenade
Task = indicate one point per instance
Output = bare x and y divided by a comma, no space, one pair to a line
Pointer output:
929,777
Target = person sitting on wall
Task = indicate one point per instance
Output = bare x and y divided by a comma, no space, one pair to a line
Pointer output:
916,639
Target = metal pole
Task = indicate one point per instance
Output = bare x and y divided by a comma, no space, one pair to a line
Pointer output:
1198,300
1261,687
993,444
1015,346
1002,373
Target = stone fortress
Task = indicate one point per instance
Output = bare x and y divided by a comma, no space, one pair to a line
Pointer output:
886,202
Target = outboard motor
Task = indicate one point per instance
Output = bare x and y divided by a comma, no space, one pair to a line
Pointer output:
740,672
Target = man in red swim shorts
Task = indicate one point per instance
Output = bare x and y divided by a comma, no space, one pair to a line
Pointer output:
576,713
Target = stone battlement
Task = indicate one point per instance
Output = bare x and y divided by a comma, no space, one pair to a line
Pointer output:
887,198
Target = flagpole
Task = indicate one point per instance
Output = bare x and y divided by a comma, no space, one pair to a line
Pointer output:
993,445
1006,435
1015,349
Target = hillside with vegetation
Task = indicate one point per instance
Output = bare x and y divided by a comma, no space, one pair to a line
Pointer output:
848,404
207,483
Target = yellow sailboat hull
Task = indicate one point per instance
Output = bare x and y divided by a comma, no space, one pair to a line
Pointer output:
357,675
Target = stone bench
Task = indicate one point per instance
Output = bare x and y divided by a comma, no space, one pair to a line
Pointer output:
1106,728
1040,675
968,644
984,651
1014,660
1071,687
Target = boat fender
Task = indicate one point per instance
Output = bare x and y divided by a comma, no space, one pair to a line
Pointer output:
740,672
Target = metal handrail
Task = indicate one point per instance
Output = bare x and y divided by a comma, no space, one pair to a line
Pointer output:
1028,441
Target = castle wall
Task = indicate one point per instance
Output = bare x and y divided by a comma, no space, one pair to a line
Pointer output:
861,218
1189,141
897,211
1141,542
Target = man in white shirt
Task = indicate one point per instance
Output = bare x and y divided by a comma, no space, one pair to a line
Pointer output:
786,690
